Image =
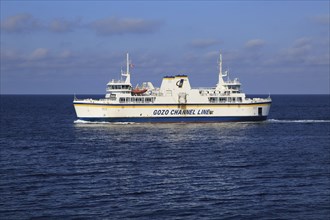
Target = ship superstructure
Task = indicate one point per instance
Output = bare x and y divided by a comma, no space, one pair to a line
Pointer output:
174,101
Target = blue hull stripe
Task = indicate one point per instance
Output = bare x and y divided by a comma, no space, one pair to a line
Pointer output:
178,119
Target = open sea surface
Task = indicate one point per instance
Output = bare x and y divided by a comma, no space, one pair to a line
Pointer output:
54,166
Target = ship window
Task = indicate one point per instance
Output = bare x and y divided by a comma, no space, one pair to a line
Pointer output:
212,99
239,99
121,100
260,111
221,99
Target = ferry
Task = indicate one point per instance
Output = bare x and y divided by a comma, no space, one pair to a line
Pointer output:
174,101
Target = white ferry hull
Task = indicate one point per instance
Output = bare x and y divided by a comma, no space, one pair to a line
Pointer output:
172,112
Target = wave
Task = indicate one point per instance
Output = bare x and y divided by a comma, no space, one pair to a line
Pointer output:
297,121
79,121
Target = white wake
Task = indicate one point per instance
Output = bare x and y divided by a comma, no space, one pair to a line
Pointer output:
79,121
297,121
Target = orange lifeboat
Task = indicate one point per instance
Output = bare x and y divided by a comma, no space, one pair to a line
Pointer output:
138,91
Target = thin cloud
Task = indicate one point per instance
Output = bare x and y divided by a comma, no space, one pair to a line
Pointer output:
38,54
203,43
303,53
321,19
301,48
254,44
62,25
116,26
26,23
20,23
65,54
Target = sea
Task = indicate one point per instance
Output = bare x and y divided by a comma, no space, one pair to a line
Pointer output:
54,166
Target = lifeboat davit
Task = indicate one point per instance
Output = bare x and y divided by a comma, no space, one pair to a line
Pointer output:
138,91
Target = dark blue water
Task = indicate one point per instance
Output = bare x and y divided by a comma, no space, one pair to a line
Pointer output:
53,168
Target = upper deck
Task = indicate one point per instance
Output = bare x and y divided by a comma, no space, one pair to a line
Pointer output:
175,90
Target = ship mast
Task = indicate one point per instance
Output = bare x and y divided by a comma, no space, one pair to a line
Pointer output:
220,81
127,74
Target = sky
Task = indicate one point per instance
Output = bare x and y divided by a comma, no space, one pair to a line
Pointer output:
76,47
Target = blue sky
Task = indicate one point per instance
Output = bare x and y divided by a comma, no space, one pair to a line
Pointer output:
66,47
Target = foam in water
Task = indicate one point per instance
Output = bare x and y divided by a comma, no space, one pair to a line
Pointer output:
297,121
79,121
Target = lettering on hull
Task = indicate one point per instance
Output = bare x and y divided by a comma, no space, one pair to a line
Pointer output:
182,112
